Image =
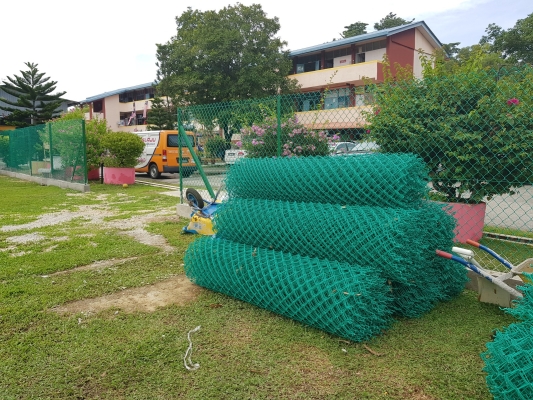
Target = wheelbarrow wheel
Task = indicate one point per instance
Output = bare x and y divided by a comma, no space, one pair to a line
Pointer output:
194,198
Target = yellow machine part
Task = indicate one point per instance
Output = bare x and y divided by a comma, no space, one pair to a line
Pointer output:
202,225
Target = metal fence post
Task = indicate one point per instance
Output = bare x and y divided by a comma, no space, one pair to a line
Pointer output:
84,151
197,161
50,150
180,155
278,116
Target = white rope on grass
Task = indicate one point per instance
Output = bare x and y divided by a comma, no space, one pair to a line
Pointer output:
187,358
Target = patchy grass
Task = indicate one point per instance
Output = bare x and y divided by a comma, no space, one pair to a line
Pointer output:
508,231
243,351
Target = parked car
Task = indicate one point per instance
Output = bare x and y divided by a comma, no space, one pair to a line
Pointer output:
341,147
233,155
361,148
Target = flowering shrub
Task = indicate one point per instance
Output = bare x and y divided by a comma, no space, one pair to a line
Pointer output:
296,140
123,149
474,131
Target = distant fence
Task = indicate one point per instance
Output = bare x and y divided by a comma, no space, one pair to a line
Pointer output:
54,150
474,132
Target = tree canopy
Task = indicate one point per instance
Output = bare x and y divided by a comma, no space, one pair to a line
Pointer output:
35,99
222,56
514,44
390,21
355,29
162,115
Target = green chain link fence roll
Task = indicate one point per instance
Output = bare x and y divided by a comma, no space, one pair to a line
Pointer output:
400,243
509,363
383,180
509,357
349,301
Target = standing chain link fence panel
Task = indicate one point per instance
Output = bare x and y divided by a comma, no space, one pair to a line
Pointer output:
473,132
55,150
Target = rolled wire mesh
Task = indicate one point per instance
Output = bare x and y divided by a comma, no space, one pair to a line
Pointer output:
350,301
523,307
382,180
509,363
400,243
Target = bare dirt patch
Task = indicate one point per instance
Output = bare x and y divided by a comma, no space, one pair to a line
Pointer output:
177,290
30,237
96,265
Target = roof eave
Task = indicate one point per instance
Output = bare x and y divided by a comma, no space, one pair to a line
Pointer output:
368,36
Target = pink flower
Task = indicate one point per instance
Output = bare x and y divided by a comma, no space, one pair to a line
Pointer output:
513,102
368,131
336,137
377,111
238,144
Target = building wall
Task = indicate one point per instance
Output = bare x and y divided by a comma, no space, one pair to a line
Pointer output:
375,55
349,73
113,108
421,43
401,49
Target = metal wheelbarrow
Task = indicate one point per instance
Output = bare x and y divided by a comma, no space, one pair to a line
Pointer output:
493,286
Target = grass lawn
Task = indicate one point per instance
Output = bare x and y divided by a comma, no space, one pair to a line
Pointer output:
244,352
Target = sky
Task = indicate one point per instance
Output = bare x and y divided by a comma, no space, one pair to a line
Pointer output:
98,46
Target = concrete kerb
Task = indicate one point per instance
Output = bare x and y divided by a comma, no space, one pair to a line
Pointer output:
80,187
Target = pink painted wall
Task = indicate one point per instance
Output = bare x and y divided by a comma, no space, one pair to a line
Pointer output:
470,221
119,176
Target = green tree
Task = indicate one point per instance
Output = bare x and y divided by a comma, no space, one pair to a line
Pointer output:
471,127
355,29
390,21
36,101
514,44
465,59
162,115
221,56
451,49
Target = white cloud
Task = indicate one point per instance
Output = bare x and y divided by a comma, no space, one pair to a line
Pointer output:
98,46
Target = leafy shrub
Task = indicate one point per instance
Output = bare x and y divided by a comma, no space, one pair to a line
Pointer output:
4,146
95,130
296,140
216,146
473,129
122,149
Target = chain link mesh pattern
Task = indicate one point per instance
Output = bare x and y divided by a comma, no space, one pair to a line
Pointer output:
398,242
53,150
383,180
346,300
473,132
509,358
523,309
509,363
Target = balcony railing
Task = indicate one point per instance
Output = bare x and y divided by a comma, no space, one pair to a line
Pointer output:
353,74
